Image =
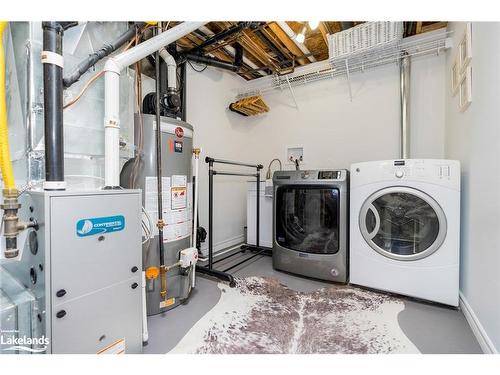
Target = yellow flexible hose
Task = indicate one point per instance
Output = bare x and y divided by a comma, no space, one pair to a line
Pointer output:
5,162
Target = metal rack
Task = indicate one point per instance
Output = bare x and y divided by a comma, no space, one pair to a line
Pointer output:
419,45
209,269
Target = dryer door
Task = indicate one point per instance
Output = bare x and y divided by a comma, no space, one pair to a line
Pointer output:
402,223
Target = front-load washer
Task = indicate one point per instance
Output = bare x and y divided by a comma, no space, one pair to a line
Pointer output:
310,225
405,227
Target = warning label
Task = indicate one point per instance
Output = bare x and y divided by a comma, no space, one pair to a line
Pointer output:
179,198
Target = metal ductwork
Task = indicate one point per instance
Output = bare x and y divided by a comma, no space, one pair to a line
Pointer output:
405,71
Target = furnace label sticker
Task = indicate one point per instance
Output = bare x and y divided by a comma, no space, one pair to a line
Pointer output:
100,225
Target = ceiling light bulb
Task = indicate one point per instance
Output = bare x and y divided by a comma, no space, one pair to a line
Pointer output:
300,38
313,24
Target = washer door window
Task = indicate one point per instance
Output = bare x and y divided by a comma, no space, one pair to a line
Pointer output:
402,223
307,218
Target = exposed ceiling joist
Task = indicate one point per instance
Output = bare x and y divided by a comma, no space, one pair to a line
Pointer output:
268,48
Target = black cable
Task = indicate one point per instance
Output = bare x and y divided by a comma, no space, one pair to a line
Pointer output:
196,70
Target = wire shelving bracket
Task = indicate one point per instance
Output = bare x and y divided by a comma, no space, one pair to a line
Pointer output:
432,43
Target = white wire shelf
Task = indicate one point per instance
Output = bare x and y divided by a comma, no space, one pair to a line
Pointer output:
432,43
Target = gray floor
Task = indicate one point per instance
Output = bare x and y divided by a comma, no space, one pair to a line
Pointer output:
431,328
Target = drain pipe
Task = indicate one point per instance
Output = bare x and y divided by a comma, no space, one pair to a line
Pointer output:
52,61
291,34
171,69
405,70
112,69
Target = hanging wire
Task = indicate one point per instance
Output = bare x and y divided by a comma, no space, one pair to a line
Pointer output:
197,70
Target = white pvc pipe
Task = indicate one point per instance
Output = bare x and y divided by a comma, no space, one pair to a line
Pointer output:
171,68
112,68
291,34
195,219
145,333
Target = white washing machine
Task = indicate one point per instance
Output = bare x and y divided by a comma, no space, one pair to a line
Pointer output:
405,227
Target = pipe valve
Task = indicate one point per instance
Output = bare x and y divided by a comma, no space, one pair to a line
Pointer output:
11,224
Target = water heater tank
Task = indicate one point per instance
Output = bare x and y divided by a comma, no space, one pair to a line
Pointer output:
177,191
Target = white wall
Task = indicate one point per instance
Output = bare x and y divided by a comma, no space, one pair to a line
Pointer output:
221,134
473,137
334,131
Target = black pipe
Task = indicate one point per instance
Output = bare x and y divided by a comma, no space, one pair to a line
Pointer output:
183,94
222,35
238,55
163,76
53,101
213,62
158,159
257,229
102,52
210,212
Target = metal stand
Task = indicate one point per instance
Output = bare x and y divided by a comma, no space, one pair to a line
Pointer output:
209,270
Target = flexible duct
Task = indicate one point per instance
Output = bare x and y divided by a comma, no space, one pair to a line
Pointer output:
405,70
112,69
5,161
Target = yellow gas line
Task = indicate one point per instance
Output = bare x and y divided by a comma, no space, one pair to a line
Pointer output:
5,161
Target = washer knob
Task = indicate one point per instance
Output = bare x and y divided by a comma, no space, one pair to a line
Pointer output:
399,173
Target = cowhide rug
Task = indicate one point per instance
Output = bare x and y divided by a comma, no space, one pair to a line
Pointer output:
261,315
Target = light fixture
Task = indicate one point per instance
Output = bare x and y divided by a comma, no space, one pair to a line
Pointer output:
300,37
313,24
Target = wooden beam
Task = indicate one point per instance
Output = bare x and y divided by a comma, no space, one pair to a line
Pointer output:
431,27
419,28
324,32
289,43
253,48
277,44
